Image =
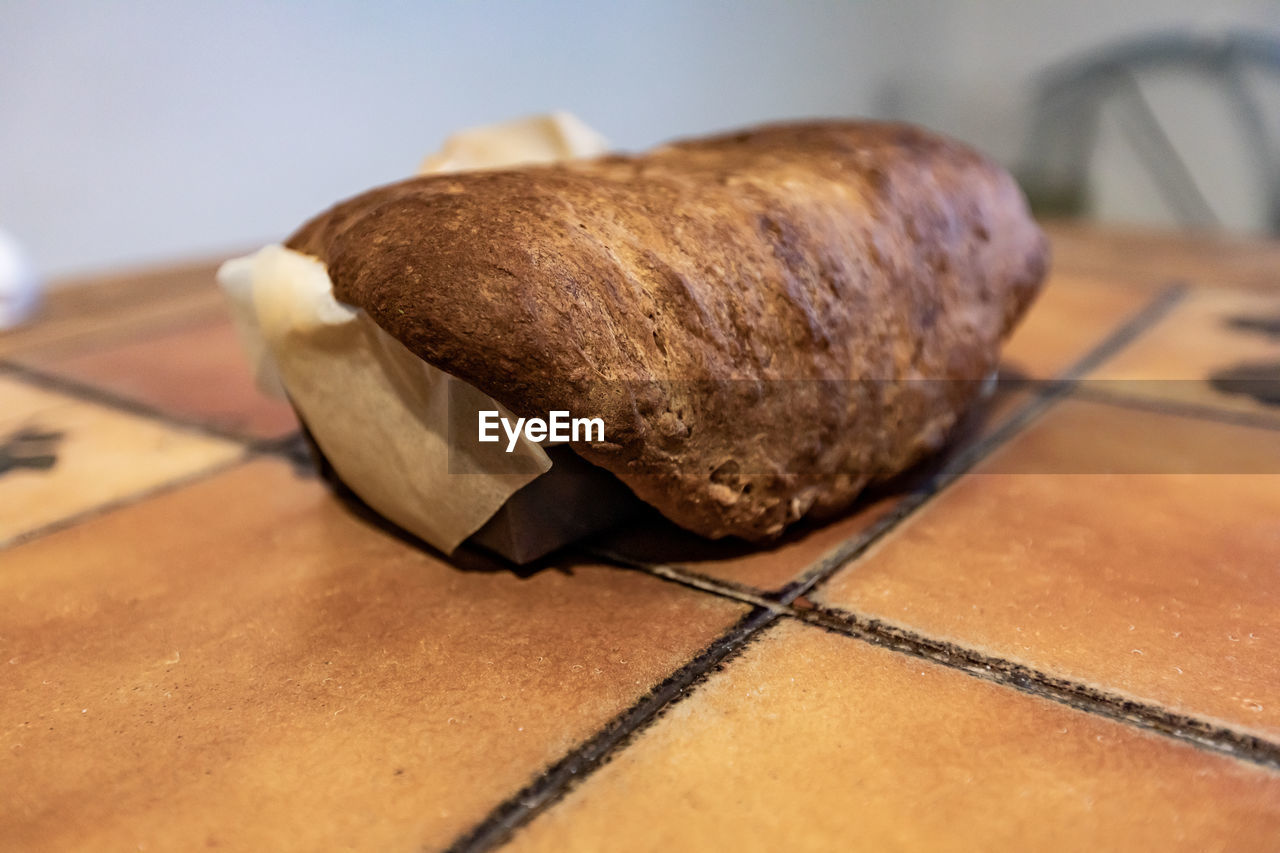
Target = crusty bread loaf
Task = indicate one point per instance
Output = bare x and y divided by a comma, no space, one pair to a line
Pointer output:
766,321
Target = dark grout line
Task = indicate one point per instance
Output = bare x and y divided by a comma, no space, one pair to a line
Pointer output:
1145,715
1195,731
1146,317
127,500
967,459
686,578
559,778
1177,408
289,448
961,464
101,396
1184,727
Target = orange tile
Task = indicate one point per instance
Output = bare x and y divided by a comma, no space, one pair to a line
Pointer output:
764,568
1072,316
1192,355
197,372
813,741
244,664
1159,256
1090,436
60,456
101,310
1158,586
769,567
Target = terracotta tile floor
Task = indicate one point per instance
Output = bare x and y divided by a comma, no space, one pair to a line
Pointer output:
1080,575
97,455
1072,315
1060,635
292,677
196,371
811,737
1218,350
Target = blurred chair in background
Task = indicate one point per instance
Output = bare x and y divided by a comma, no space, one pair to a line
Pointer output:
1073,97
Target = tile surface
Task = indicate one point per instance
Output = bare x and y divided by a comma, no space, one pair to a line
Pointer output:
765,568
197,371
1153,256
1218,348
196,659
243,664
1159,586
769,567
79,315
92,456
811,741
1072,315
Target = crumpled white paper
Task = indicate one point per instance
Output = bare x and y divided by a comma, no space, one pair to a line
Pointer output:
381,414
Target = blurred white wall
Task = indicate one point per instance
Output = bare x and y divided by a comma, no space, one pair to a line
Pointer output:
137,131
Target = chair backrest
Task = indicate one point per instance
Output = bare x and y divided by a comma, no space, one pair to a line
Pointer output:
1060,148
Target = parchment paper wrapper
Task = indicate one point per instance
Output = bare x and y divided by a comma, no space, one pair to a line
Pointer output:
381,415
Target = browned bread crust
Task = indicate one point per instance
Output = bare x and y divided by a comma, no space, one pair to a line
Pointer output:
767,321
